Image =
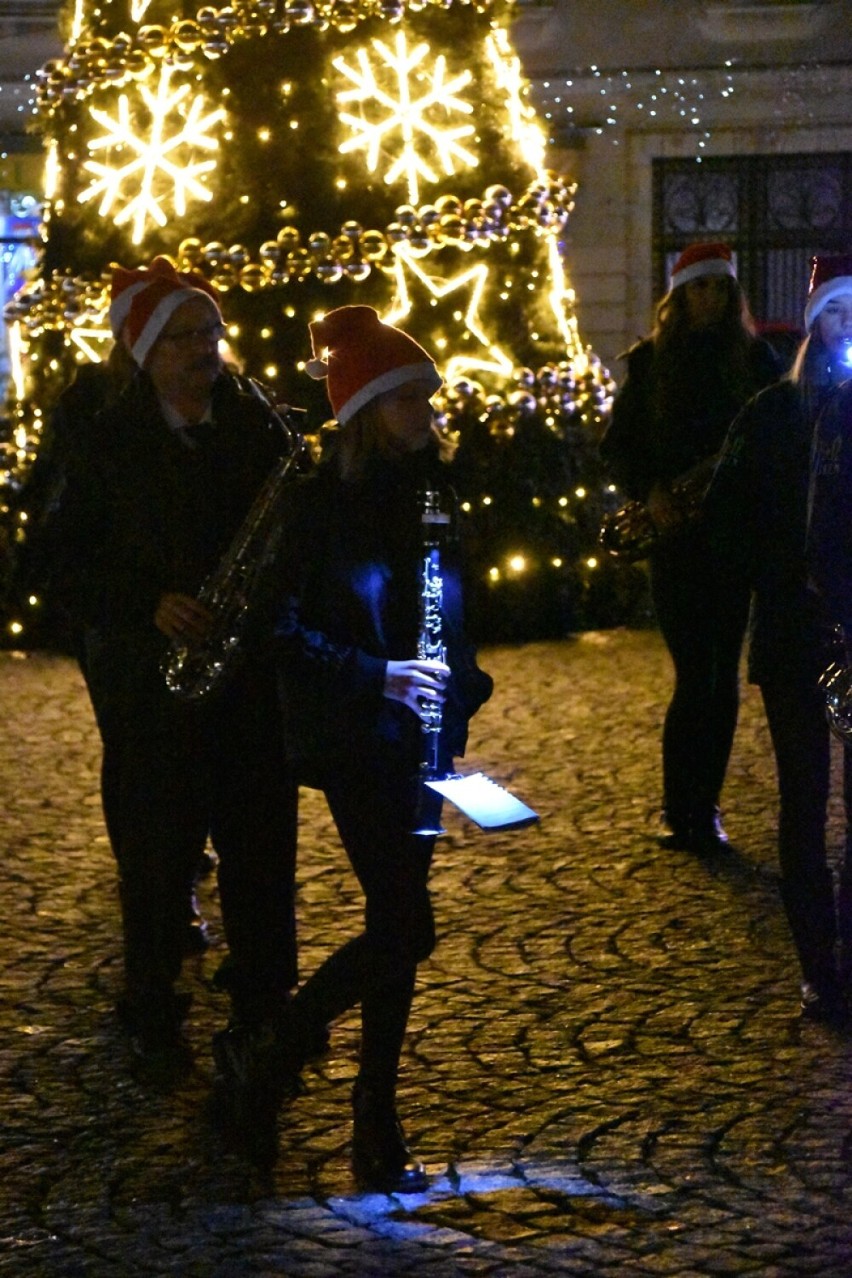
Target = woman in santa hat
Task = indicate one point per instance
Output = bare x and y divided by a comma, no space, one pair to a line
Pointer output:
685,384
756,510
355,695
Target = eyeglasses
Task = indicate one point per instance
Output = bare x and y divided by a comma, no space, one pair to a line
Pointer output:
207,333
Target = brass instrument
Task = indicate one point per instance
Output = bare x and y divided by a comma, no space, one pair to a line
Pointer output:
836,683
630,533
191,671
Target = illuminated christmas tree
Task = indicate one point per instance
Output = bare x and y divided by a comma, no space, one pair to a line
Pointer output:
308,155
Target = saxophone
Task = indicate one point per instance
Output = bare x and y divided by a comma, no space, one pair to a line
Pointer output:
630,533
836,684
230,592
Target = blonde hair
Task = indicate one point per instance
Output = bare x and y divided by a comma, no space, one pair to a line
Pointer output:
363,436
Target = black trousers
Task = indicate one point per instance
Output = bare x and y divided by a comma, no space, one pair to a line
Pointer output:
175,773
703,622
795,712
374,807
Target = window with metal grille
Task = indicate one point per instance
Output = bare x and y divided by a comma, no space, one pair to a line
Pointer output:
775,211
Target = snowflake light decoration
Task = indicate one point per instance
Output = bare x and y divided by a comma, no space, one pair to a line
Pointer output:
178,129
408,108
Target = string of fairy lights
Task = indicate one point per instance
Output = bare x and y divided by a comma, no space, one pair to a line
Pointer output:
608,103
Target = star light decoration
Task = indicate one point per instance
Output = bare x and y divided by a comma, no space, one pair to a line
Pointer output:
488,357
406,108
161,164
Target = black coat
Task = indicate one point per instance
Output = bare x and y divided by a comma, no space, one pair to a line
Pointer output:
350,601
646,443
142,514
756,516
830,529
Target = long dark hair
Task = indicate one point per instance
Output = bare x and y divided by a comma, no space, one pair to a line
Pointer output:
673,374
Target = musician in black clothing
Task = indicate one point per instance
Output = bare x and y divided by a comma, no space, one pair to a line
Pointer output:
353,693
154,494
756,514
684,385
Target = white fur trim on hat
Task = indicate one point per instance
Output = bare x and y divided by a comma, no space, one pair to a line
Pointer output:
424,371
709,266
821,296
159,318
120,306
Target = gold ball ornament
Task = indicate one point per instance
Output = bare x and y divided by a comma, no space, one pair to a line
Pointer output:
342,248
374,245
299,265
357,270
346,13
319,244
214,253
449,205
329,271
187,36
154,39
224,277
137,64
190,254
300,12
270,254
238,256
252,277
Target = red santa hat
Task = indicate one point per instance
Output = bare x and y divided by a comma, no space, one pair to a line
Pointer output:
362,357
830,276
702,259
142,301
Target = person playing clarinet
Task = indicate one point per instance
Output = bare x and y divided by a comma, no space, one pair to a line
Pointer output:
358,699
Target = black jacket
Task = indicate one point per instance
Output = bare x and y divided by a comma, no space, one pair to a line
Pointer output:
645,444
756,515
830,525
141,514
350,601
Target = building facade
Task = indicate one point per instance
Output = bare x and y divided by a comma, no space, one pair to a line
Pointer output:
688,121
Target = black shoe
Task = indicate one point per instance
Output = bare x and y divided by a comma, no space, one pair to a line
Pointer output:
248,1089
161,1054
195,938
826,1006
673,834
381,1160
707,834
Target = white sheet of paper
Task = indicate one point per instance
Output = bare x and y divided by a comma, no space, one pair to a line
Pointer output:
484,801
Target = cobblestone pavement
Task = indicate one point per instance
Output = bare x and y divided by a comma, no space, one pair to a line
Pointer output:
605,1074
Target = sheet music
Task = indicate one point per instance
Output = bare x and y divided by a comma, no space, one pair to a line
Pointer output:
488,804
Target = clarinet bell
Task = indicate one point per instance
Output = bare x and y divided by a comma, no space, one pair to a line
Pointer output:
427,818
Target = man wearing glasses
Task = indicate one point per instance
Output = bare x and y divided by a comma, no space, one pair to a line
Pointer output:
154,495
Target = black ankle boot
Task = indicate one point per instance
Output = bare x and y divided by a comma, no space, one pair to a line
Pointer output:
380,1157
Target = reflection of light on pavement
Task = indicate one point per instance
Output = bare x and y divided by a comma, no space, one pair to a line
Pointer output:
395,1216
